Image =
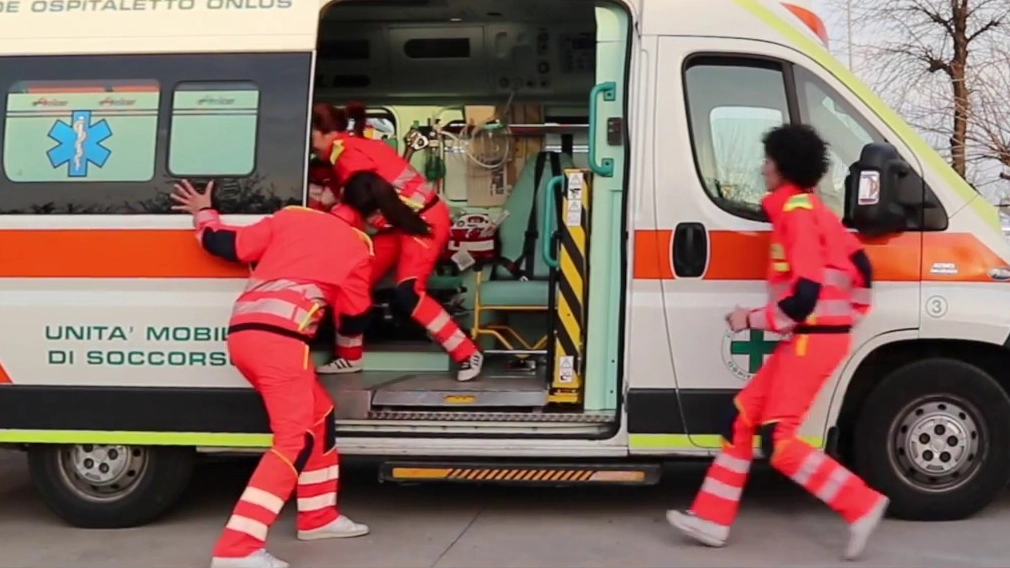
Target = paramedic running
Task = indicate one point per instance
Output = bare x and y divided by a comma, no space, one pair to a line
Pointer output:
819,281
303,261
413,256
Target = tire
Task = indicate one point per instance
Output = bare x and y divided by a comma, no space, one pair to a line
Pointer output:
139,484
935,401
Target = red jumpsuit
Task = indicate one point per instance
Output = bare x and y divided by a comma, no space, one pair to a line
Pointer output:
304,261
414,257
819,282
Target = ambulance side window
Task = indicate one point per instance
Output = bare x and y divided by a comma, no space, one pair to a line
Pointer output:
731,103
214,129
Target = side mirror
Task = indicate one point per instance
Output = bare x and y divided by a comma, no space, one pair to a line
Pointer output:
877,189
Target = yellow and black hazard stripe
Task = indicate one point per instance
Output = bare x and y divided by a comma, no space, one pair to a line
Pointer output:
573,274
520,475
614,473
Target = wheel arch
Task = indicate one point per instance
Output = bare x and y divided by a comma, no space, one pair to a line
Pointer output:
888,356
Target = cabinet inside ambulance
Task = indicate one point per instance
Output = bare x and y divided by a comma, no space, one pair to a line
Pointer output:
497,103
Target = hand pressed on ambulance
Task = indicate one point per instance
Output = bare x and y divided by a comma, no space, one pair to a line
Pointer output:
189,199
737,319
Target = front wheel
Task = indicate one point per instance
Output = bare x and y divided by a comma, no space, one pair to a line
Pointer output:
110,486
934,437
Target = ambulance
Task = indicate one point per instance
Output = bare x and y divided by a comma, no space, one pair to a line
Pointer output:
608,149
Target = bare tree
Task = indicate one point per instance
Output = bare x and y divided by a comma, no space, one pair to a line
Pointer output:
990,130
924,57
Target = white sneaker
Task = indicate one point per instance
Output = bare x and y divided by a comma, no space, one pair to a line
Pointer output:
695,528
469,369
259,559
860,531
343,527
339,366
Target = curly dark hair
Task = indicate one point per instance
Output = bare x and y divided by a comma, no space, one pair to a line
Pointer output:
799,154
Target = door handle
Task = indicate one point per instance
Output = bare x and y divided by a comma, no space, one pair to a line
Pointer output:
690,250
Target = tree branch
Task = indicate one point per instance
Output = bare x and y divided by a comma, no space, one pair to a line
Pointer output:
990,25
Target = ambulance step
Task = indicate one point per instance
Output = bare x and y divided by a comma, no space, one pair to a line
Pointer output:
526,474
492,416
444,391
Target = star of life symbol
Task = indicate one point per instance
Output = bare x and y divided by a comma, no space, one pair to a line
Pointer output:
743,353
79,143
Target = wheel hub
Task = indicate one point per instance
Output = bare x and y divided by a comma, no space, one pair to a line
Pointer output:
936,443
102,472
100,465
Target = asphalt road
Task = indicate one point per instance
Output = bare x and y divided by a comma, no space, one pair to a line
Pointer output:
497,527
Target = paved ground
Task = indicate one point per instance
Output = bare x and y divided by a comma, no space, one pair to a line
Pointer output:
478,527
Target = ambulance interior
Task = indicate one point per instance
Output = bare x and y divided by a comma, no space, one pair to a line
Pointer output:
489,85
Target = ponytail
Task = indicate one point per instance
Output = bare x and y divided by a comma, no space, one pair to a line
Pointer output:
327,118
367,193
356,112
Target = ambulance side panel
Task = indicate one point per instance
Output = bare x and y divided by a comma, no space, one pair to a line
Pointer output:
104,291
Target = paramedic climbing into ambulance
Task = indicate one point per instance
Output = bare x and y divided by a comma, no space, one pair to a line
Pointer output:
413,256
304,261
819,280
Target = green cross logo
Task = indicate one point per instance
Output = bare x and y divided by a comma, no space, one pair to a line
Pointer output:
745,354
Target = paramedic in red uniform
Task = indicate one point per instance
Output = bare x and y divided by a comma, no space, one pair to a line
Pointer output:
819,281
304,261
414,257
322,186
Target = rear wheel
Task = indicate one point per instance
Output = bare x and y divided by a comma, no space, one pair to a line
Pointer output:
934,436
110,486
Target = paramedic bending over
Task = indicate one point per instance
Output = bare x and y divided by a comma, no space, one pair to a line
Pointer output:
414,257
305,260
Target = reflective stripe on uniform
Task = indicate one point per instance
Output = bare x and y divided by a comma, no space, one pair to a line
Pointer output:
404,177
306,504
862,296
832,277
350,341
319,475
204,217
308,290
455,340
720,489
808,468
262,498
272,306
782,322
800,201
833,485
248,526
734,464
438,323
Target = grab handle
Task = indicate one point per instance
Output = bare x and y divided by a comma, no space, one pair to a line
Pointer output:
608,91
554,188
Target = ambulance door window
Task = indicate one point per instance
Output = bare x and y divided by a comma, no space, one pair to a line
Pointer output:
727,123
844,129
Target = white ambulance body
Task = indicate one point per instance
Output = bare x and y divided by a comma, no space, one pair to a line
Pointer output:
611,358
